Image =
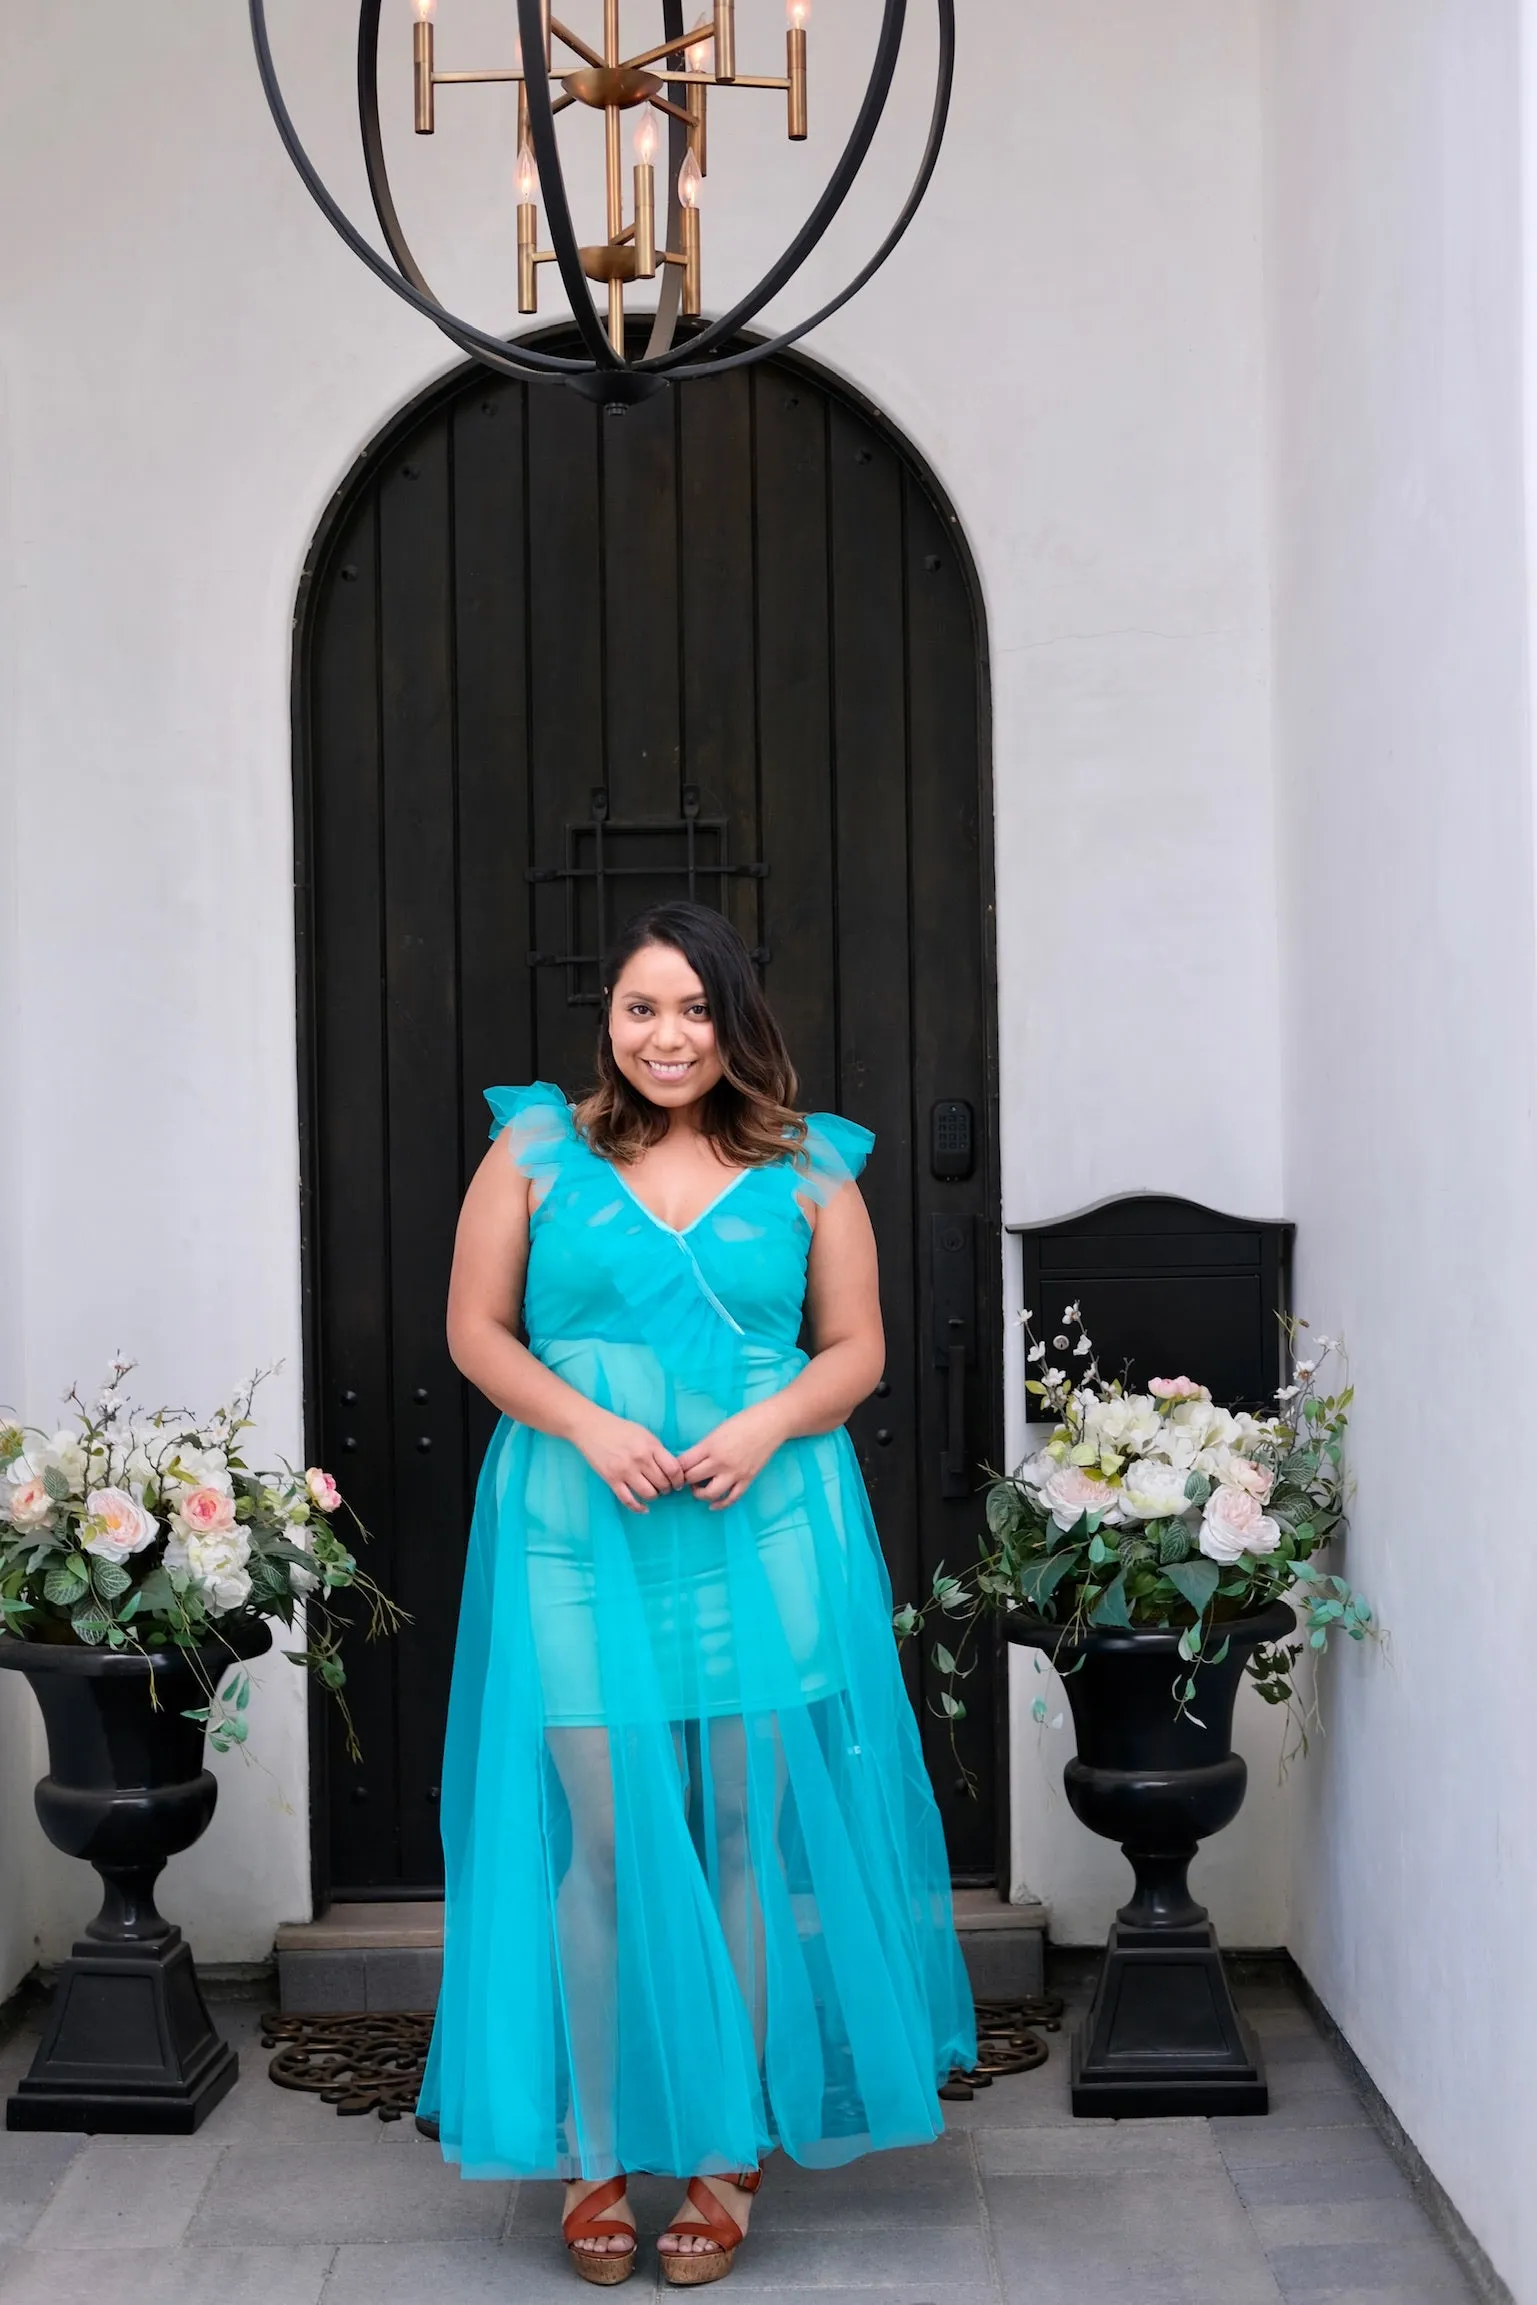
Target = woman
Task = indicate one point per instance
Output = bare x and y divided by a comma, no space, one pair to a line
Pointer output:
697,1902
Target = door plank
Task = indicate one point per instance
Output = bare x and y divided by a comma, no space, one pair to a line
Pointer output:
865,521
351,1411
424,1101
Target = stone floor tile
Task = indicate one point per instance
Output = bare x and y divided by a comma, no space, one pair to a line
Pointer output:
1392,2217
130,2193
1386,2267
267,2276
535,2272
927,2261
337,2194
1284,2183
909,2292
1305,2110
1165,2237
31,2166
839,2204
1400,2293
1249,2144
1084,2149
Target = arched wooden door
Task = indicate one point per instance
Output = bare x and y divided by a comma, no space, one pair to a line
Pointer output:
552,664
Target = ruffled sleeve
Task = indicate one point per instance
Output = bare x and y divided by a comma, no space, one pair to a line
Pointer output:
834,1153
538,1127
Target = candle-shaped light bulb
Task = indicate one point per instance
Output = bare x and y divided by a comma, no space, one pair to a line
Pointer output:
528,229
799,14
690,184
422,65
698,58
645,195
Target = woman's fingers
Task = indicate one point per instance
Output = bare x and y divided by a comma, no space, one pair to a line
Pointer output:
622,1491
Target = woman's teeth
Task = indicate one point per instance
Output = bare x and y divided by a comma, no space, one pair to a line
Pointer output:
669,1071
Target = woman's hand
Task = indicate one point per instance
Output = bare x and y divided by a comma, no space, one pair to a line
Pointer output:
722,1467
628,1459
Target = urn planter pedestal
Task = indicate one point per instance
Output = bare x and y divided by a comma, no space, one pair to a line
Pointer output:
129,2047
1162,2037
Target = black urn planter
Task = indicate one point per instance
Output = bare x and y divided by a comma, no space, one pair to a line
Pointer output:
1162,2036
129,2047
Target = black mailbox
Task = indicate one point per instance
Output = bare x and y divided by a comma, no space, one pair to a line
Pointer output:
1168,1289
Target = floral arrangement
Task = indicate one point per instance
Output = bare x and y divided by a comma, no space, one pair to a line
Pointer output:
1159,1508
149,1531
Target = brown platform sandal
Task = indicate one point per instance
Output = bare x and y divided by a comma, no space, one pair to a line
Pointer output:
605,2267
692,2268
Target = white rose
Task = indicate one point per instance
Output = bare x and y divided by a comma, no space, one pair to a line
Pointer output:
1234,1522
202,1469
301,1581
217,1564
1036,1471
1071,1492
116,1525
1152,1490
1125,1426
1209,1426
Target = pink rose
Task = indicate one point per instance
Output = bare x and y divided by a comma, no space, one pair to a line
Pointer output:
116,1525
323,1489
28,1504
206,1511
1244,1473
1071,1492
1178,1389
1234,1522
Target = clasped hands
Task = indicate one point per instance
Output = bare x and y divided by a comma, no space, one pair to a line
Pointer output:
719,1469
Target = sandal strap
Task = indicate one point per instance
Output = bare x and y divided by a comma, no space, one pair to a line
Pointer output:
586,2221
716,2222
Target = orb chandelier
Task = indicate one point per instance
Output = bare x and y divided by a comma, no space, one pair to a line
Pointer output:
554,70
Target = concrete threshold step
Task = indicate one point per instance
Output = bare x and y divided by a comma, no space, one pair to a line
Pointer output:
390,1956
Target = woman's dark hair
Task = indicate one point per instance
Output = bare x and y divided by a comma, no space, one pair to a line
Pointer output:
750,1113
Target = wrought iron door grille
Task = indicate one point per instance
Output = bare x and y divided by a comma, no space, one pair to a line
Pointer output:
615,866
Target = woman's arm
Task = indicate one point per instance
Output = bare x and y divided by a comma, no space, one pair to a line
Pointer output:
485,1300
843,1304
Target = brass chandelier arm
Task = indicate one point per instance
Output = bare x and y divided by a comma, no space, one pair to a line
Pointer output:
578,47
834,193
552,185
944,86
406,282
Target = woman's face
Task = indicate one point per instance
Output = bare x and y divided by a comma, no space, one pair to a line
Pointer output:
660,1027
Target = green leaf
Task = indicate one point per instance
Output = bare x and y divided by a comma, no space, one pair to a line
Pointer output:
1197,1580
1002,1508
1110,1608
110,1578
157,1595
953,1707
1198,1488
1038,1582
1175,1542
943,1658
90,1624
1099,1551
64,1586
56,1485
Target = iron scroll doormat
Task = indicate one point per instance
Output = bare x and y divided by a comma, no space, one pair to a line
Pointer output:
373,2062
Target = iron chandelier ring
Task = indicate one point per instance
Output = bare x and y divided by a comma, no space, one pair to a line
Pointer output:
605,373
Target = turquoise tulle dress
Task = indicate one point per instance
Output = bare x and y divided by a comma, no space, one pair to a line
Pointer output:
698,1904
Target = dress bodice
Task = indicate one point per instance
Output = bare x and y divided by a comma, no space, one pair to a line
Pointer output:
602,1266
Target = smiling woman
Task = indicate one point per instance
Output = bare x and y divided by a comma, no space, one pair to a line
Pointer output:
697,1895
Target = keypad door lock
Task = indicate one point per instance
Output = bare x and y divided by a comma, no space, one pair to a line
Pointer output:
952,1140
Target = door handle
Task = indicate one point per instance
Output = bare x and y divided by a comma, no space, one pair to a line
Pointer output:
953,1273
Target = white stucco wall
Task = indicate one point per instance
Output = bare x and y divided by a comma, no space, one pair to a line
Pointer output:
1404,770
1072,335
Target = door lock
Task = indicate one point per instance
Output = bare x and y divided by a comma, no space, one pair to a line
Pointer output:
953,1273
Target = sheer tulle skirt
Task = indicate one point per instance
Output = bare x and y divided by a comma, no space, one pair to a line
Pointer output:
697,1896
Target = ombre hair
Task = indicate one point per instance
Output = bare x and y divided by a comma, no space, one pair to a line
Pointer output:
749,1115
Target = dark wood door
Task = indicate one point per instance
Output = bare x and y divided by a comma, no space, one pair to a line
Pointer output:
555,663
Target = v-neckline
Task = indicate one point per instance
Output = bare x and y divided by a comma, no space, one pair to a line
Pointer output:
678,1232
